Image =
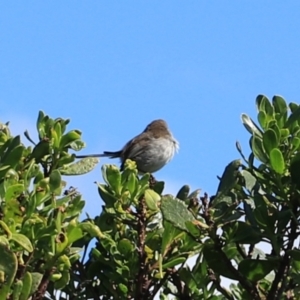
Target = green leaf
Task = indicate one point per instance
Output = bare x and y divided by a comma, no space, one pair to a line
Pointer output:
14,191
270,140
251,126
183,192
277,161
125,247
284,133
176,212
159,187
63,281
262,119
74,234
40,125
243,233
293,106
215,262
27,284
257,149
295,143
17,289
8,269
273,125
108,198
229,177
23,241
279,105
83,166
40,150
152,199
263,104
250,180
36,280
54,180
168,237
113,177
14,157
77,145
69,138
294,117
255,269
174,262
295,170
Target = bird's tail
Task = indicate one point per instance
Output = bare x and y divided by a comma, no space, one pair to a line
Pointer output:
104,154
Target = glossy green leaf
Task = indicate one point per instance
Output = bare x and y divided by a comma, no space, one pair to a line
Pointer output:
295,170
277,161
40,150
195,227
69,138
55,180
264,104
295,143
125,247
113,177
169,234
77,145
63,281
270,140
14,191
229,177
279,105
216,262
152,199
183,192
257,149
294,117
255,269
262,119
123,288
251,126
40,125
108,198
174,262
13,158
244,233
27,284
293,106
57,128
159,187
17,289
284,133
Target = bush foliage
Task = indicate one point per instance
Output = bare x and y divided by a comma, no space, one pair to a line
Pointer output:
138,247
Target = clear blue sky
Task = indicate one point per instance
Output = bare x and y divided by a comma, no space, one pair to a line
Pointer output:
114,66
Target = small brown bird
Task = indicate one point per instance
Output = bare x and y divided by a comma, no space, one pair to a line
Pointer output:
151,150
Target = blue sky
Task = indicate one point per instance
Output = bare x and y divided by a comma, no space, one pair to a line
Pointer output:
114,66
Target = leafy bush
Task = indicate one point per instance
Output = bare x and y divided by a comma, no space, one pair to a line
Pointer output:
139,245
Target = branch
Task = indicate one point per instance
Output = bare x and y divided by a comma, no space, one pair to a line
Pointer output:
183,292
142,277
216,282
279,282
40,293
247,285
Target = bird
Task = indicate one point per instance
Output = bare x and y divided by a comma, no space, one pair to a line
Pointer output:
151,150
